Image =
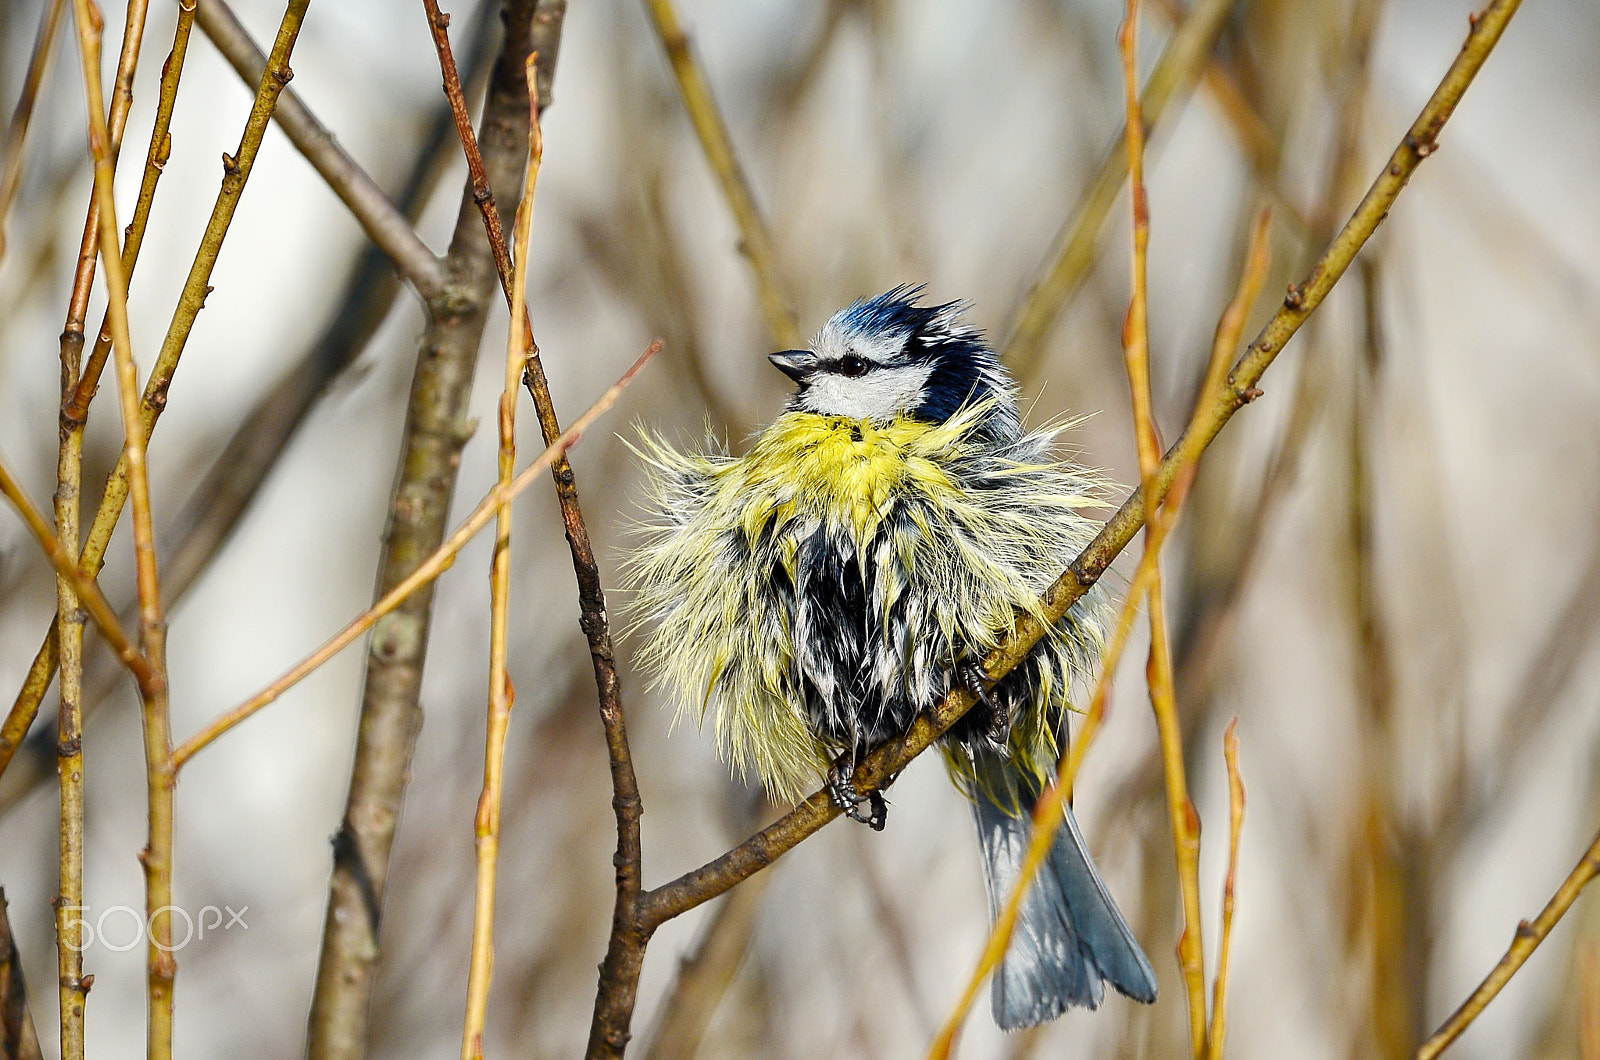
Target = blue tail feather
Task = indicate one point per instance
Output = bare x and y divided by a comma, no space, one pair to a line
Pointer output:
1070,939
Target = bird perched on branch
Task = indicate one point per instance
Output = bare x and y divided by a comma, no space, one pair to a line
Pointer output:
875,543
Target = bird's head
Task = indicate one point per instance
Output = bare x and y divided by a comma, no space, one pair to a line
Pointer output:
888,356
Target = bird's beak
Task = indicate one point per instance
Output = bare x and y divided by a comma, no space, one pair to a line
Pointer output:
796,364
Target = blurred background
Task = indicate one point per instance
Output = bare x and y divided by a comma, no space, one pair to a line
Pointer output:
1389,570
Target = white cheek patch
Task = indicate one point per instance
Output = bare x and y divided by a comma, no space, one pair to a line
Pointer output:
881,394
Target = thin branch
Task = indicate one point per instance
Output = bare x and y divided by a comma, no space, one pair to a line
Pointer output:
17,133
1219,1008
429,462
1238,389
161,966
383,222
26,705
1163,697
86,589
619,973
755,239
189,541
1186,53
477,175
121,103
501,697
73,994
433,566
236,169
75,410
1523,943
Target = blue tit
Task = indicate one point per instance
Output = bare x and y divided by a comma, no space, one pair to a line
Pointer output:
877,540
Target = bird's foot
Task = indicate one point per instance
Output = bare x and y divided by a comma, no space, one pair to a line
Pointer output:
842,790
976,682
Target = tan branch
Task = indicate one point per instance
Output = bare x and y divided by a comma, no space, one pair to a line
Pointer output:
755,239
383,222
1523,943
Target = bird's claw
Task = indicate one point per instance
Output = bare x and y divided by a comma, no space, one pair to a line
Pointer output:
976,682
842,790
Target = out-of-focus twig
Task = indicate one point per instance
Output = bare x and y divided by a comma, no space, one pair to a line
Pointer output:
1526,940
1074,248
705,975
18,1038
755,238
383,222
17,133
1239,389
1219,998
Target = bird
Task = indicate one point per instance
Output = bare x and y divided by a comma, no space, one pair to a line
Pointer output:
815,594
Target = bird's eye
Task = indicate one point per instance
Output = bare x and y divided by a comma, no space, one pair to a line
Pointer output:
851,366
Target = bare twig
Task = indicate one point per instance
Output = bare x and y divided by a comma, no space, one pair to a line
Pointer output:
383,222
121,103
424,574
161,966
755,240
83,586
75,409
17,133
619,973
1239,389
1524,942
1073,253
1163,696
487,821
1219,999
236,172
436,428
